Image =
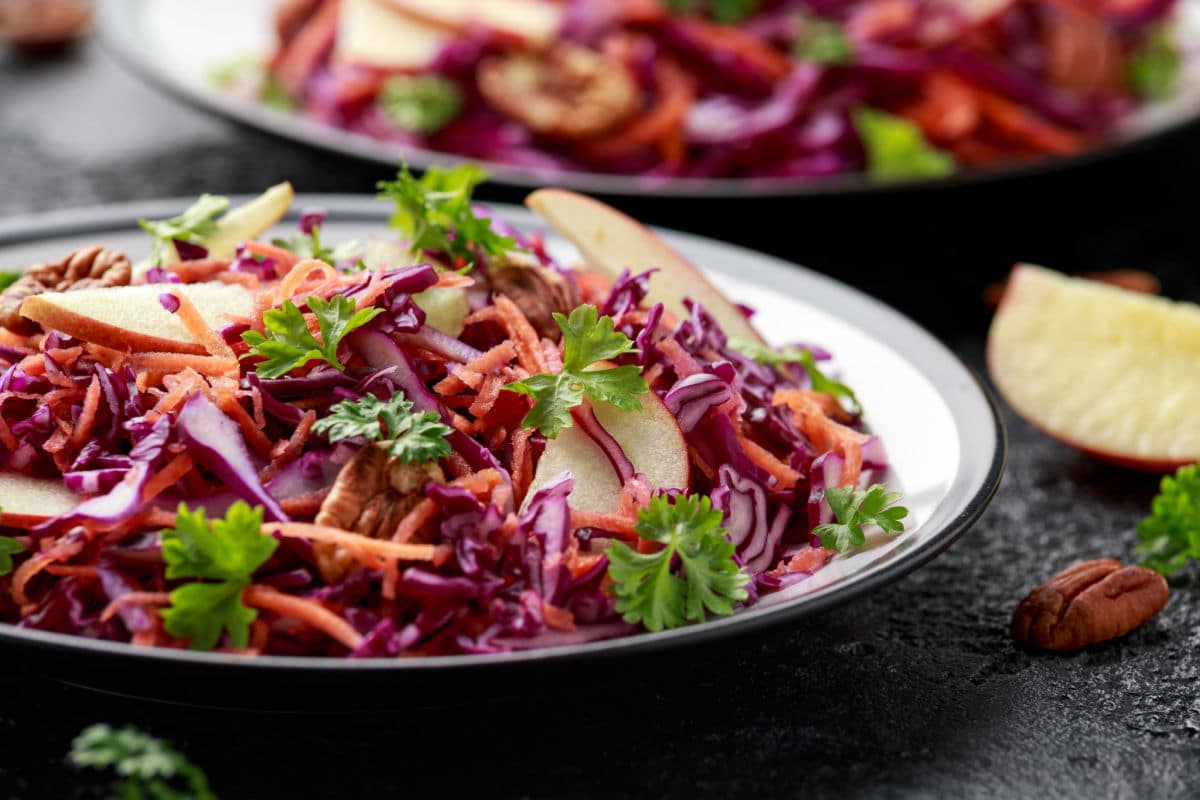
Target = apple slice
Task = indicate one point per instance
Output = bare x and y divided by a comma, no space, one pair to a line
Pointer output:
611,241
247,221
446,307
374,34
533,22
650,438
132,318
29,501
1109,371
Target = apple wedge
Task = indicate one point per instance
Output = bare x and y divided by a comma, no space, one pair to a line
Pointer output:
247,221
132,318
650,438
446,307
373,34
532,22
1109,371
27,501
611,241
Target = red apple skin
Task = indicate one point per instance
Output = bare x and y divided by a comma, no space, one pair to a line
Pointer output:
88,329
1116,459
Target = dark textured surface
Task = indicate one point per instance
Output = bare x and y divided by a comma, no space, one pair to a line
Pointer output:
914,691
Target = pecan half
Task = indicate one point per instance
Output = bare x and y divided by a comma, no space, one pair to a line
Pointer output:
1088,603
82,268
568,92
372,493
35,26
536,290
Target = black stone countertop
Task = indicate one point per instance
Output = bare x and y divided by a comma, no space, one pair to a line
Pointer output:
915,690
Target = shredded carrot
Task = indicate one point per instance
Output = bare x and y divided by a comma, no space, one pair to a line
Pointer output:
617,524
353,542
24,574
452,280
298,274
660,124
295,62
245,279
683,362
7,438
558,618
765,459
78,571
284,259
304,505
413,521
485,314
806,560
159,365
87,414
826,434
522,464
458,465
189,315
481,483
309,612
254,435
33,365
488,395
289,448
134,599
180,387
65,357
175,469
466,377
524,337
199,270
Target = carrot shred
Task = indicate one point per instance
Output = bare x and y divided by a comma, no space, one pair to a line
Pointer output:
87,414
189,315
284,259
452,280
309,612
289,448
78,571
765,459
683,362
826,434
524,337
485,314
354,543
245,279
199,270
24,574
7,438
159,365
297,275
618,524
254,435
413,521
522,464
134,599
175,469
558,618
660,124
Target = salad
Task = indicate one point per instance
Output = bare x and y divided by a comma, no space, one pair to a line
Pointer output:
899,89
437,441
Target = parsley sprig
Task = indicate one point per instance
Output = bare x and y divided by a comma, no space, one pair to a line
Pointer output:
194,225
650,588
412,438
587,339
1154,66
821,41
9,547
223,552
857,508
804,357
1170,537
146,765
435,213
727,11
420,103
897,149
290,344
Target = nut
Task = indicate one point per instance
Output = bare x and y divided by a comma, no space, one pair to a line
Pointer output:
42,25
372,493
1088,603
568,92
536,290
83,268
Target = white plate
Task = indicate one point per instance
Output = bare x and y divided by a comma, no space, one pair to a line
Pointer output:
175,43
940,427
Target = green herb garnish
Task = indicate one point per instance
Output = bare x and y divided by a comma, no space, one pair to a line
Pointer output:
410,437
1154,66
223,552
821,41
421,104
897,149
651,591
587,339
289,343
1170,537
856,508
435,213
726,11
9,547
194,225
146,765
7,279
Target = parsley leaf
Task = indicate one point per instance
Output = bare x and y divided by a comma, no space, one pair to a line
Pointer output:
855,508
708,580
727,11
794,355
7,279
9,547
146,764
290,344
308,245
420,103
410,437
897,149
822,42
193,225
435,213
1170,536
226,551
587,339
1154,66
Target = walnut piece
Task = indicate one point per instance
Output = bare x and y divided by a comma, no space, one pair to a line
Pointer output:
372,493
82,268
536,290
35,26
569,92
1088,603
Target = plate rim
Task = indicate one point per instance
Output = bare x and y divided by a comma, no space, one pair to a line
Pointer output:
120,40
31,228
